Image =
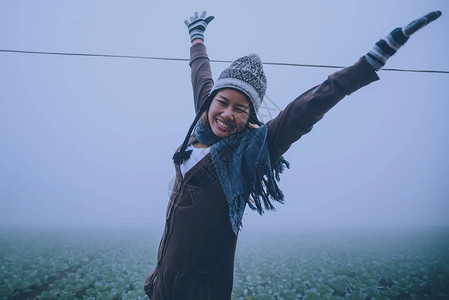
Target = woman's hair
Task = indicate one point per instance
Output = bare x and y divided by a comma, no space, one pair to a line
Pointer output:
205,120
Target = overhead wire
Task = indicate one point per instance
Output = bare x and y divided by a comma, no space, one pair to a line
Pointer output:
212,60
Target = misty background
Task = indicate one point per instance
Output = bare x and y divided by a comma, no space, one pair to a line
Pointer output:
88,141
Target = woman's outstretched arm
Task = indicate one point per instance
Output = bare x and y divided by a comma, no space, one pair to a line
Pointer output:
201,74
302,113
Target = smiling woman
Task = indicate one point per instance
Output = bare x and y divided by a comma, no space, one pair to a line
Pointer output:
242,163
228,113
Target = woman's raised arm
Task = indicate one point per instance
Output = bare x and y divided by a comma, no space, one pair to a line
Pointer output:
201,74
302,113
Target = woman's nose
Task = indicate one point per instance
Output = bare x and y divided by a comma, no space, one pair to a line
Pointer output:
228,113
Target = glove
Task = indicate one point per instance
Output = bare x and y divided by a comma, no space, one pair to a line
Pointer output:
197,25
383,49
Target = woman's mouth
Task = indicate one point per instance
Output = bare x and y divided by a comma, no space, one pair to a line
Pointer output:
223,126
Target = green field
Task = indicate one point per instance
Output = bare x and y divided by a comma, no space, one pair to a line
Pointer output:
89,264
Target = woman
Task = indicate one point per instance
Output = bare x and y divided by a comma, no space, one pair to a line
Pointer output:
233,160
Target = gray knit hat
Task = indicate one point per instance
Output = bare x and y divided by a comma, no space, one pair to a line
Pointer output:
247,76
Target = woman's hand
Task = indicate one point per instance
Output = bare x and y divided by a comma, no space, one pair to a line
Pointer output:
388,46
197,25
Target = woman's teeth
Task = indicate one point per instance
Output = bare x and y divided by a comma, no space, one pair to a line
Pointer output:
222,124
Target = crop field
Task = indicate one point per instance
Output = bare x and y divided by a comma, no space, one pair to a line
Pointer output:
93,264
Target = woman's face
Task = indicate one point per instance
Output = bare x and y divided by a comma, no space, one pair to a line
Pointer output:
228,113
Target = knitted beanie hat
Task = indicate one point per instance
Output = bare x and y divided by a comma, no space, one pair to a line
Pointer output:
245,75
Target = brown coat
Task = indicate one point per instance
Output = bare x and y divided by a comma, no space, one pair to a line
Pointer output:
196,254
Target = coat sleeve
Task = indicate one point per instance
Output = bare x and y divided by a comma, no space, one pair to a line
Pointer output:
201,74
302,113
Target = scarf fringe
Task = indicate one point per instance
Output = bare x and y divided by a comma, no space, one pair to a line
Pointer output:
236,210
266,187
279,168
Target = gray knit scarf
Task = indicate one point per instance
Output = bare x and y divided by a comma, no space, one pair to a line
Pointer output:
242,162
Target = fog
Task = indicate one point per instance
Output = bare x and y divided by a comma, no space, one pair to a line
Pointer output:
86,142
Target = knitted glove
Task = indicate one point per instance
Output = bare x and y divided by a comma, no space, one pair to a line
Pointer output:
388,46
197,25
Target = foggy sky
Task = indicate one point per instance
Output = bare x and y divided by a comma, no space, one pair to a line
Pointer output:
88,141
